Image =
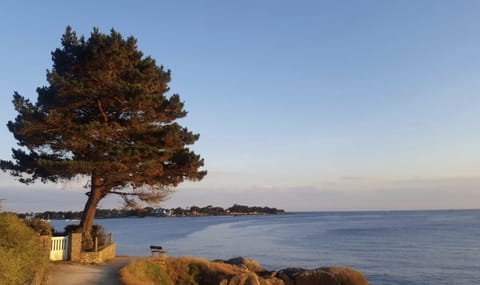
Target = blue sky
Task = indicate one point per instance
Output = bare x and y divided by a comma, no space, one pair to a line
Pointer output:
303,105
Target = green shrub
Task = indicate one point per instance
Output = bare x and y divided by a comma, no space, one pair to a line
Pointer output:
72,228
88,239
21,254
42,227
99,232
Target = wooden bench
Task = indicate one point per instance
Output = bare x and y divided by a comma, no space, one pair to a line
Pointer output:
157,251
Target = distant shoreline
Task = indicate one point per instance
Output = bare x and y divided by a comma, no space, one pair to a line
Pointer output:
194,211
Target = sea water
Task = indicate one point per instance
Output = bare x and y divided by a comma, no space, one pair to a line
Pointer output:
390,248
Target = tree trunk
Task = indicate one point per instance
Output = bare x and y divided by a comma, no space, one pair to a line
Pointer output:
95,195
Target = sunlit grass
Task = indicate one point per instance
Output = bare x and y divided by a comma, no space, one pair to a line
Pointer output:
21,256
183,270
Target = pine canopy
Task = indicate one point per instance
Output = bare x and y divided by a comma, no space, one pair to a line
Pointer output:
104,114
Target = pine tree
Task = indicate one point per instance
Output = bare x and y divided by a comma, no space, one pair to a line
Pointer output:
105,115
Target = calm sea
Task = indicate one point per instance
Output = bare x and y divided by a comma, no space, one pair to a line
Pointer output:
390,248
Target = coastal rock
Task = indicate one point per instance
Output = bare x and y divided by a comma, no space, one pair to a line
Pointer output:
252,273
246,263
316,277
292,275
288,274
321,276
286,280
347,276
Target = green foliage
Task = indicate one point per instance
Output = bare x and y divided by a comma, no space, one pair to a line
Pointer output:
160,212
99,232
40,226
104,111
72,228
20,251
259,210
88,238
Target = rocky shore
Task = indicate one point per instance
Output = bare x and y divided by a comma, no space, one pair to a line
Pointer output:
293,275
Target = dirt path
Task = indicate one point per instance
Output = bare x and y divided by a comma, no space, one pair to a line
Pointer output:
69,273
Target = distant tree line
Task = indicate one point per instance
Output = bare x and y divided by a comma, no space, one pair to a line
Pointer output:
158,212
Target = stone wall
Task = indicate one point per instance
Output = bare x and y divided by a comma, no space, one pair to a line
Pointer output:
106,253
75,250
45,243
97,257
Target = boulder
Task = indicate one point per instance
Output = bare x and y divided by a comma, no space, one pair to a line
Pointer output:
316,277
246,263
321,276
288,275
347,276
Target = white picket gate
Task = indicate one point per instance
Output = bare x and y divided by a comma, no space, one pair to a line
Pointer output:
59,248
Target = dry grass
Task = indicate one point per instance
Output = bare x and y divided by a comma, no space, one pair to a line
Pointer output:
183,270
21,256
143,272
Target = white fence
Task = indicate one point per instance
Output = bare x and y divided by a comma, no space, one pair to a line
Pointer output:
59,248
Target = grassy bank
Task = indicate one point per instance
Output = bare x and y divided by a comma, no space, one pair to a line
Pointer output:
183,270
235,271
21,257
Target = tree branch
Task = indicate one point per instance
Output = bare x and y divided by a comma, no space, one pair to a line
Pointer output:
105,118
123,193
119,100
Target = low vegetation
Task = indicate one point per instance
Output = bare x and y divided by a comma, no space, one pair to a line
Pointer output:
235,271
21,256
183,270
144,272
40,226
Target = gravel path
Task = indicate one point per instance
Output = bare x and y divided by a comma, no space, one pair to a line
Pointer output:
68,273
